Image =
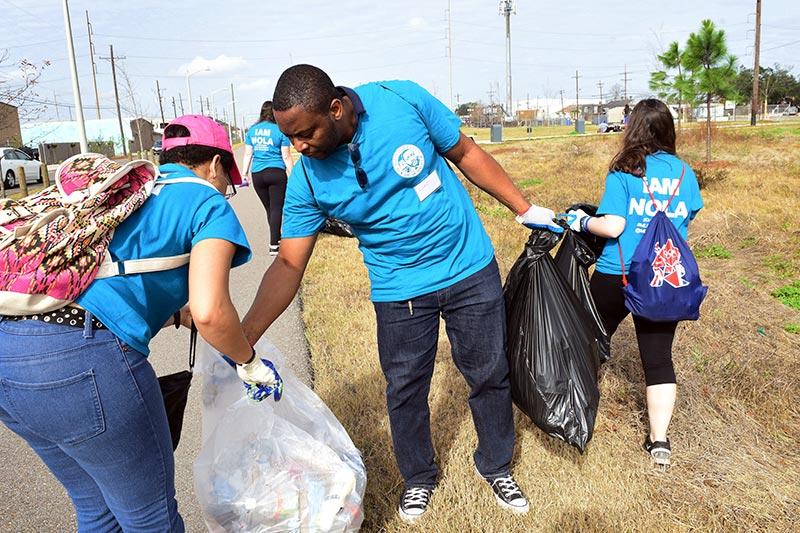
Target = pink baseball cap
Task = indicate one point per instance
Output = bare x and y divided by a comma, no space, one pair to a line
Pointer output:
203,131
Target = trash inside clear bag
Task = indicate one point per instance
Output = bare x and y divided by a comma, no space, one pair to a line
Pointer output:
273,466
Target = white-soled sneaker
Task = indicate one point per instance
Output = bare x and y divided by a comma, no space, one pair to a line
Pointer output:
273,249
507,493
413,503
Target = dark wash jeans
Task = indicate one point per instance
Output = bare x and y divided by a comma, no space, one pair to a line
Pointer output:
91,408
475,321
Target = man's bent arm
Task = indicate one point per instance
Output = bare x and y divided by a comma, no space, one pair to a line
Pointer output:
279,285
481,169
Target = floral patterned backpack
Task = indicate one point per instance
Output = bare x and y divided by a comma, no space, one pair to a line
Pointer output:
54,243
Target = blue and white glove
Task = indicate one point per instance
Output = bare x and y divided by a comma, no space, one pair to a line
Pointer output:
261,379
539,218
577,220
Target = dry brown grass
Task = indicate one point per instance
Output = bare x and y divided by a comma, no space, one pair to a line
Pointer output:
736,428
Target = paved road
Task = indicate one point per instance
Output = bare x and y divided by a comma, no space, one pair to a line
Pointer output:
31,500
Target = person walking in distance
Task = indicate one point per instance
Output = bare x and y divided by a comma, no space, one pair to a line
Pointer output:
377,157
268,159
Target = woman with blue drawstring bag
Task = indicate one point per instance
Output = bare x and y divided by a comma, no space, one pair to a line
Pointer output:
646,268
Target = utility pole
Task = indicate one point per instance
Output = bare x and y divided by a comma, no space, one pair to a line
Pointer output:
600,84
160,101
174,109
116,97
233,105
562,101
507,9
625,80
76,89
180,100
201,106
94,65
577,93
450,51
491,101
55,103
754,104
208,107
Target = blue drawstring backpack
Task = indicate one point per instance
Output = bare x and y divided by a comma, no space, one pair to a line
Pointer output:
663,283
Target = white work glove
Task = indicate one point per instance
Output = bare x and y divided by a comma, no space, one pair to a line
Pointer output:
539,218
261,379
577,219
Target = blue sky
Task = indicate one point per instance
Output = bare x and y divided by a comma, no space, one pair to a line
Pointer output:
249,43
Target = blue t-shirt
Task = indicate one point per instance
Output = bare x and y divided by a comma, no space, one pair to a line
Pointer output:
626,196
416,226
266,140
175,218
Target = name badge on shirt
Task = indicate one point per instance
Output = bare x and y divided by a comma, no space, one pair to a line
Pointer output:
428,186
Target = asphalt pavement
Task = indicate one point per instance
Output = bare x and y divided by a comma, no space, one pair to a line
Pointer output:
31,500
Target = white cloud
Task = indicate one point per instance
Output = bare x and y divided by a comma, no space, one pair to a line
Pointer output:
255,85
219,65
416,23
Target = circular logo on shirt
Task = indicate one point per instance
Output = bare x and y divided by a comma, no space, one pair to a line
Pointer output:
408,161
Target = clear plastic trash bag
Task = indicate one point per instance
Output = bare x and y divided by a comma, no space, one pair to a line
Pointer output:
268,467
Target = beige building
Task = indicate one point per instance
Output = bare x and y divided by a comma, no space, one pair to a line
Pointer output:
10,134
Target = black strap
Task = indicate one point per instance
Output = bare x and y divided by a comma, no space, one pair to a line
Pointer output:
192,346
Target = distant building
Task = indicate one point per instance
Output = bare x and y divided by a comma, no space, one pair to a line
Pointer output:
97,131
10,134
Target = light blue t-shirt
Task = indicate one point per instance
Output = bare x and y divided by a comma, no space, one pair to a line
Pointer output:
416,226
626,196
266,140
175,218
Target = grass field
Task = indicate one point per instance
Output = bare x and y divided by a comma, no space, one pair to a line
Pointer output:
736,463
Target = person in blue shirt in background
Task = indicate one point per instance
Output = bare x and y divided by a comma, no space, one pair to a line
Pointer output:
267,150
647,161
76,383
376,157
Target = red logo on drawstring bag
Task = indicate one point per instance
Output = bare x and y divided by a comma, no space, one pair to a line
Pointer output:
667,266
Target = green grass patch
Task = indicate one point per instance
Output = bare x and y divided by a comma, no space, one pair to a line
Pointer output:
748,242
789,295
530,182
792,328
780,266
493,211
714,251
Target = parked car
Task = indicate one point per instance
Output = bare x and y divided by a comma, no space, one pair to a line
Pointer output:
11,159
157,147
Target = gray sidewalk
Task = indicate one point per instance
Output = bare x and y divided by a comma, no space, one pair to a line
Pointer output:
31,500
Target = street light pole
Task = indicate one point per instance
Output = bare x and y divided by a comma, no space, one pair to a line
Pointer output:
76,90
189,86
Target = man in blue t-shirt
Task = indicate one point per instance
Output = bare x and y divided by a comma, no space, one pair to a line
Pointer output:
376,157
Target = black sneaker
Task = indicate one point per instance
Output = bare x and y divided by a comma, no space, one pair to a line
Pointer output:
414,503
273,249
659,450
508,494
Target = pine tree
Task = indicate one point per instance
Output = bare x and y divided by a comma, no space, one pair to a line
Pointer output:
712,68
672,83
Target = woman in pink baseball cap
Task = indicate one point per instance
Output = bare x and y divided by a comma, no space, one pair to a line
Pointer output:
112,449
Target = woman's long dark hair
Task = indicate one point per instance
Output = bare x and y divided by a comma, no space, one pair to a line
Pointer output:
650,129
266,112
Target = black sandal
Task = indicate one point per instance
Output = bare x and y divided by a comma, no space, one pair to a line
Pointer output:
659,450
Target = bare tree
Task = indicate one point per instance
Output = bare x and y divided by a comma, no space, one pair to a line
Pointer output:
18,87
616,92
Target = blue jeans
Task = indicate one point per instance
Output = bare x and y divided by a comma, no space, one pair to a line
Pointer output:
91,408
408,333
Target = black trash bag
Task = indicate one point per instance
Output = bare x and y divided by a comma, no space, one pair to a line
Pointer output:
553,351
340,228
175,391
595,243
573,259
